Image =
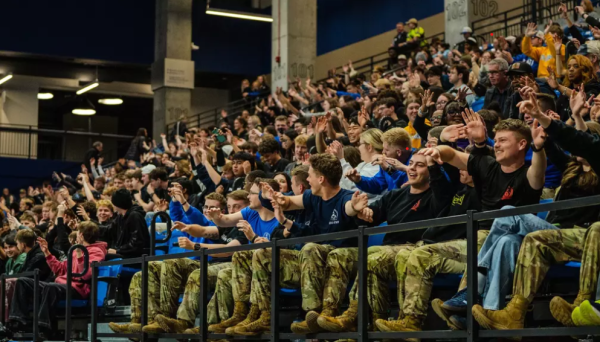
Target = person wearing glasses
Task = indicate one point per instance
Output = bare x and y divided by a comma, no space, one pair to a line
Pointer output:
501,89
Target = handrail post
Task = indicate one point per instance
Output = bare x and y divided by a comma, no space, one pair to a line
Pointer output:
94,300
363,306
144,295
36,304
275,262
471,274
70,275
166,217
29,145
203,294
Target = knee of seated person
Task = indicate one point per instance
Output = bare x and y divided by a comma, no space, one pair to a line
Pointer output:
334,257
261,254
595,228
309,248
224,274
507,207
403,255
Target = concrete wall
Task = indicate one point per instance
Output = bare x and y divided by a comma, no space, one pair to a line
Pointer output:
18,106
204,99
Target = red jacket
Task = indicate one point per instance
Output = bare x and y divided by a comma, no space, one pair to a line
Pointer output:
97,252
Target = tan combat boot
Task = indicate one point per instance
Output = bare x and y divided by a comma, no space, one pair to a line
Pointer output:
240,312
252,316
345,322
511,317
562,310
259,326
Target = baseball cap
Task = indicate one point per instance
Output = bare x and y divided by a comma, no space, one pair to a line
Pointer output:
466,29
539,34
519,68
402,57
589,48
412,21
147,169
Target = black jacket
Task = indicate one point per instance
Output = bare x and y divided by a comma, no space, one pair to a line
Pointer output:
134,238
503,99
37,260
136,148
91,153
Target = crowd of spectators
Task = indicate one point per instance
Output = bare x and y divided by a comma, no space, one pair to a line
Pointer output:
435,133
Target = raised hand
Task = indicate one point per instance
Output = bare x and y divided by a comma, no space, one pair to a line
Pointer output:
359,201
577,101
337,149
595,32
278,212
454,132
462,94
321,124
396,164
81,212
426,100
43,245
531,29
434,153
180,226
266,191
548,26
353,175
214,214
538,134
562,9
579,10
476,130
552,79
246,228
530,106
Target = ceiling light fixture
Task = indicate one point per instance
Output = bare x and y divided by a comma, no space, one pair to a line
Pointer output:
239,15
84,107
45,96
111,101
6,78
88,87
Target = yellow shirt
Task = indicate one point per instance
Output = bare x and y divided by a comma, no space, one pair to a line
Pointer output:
544,55
415,139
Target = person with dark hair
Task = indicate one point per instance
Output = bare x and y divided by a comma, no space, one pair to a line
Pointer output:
242,162
16,258
92,153
240,127
26,242
134,239
53,292
288,143
159,182
269,149
459,78
138,146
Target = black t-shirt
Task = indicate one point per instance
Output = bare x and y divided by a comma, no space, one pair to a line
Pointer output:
226,235
145,197
497,188
401,206
400,38
280,165
465,199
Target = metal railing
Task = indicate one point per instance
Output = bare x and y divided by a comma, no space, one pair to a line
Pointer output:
36,299
22,141
472,333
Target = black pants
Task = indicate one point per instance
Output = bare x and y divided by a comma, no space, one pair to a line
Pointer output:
22,301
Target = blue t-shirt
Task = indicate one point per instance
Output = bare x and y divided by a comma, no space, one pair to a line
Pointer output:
260,227
329,216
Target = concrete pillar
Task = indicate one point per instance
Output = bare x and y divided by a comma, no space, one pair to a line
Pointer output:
294,41
461,13
173,70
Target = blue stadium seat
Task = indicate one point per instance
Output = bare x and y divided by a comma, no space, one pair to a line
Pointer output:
544,214
105,272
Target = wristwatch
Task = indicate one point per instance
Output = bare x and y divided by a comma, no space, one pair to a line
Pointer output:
534,149
197,246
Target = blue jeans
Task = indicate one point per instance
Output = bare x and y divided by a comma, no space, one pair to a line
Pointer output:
500,251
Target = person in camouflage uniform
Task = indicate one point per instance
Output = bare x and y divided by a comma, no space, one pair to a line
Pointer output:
538,252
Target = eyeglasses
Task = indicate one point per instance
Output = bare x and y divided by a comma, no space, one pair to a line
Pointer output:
453,113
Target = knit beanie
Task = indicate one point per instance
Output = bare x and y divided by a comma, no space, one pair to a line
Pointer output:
122,199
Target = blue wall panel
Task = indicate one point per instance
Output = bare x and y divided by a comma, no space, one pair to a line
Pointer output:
16,173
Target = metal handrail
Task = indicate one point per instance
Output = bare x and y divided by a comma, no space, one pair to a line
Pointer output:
70,275
471,219
165,217
36,298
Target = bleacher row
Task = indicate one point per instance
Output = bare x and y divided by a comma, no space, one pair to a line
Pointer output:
107,275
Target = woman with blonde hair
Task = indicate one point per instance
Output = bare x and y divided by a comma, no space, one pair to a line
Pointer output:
370,148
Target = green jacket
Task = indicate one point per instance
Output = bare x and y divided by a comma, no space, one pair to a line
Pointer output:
13,266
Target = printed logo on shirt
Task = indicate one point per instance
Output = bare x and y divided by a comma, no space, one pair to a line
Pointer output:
224,238
307,223
458,200
416,206
508,194
334,217
267,236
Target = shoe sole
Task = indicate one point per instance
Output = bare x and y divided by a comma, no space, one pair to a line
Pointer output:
557,310
454,309
311,322
251,333
137,329
329,326
456,324
385,328
436,305
216,329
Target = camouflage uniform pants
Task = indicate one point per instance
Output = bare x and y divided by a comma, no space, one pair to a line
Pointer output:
220,306
542,248
303,269
341,266
424,263
188,310
241,275
382,265
166,282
